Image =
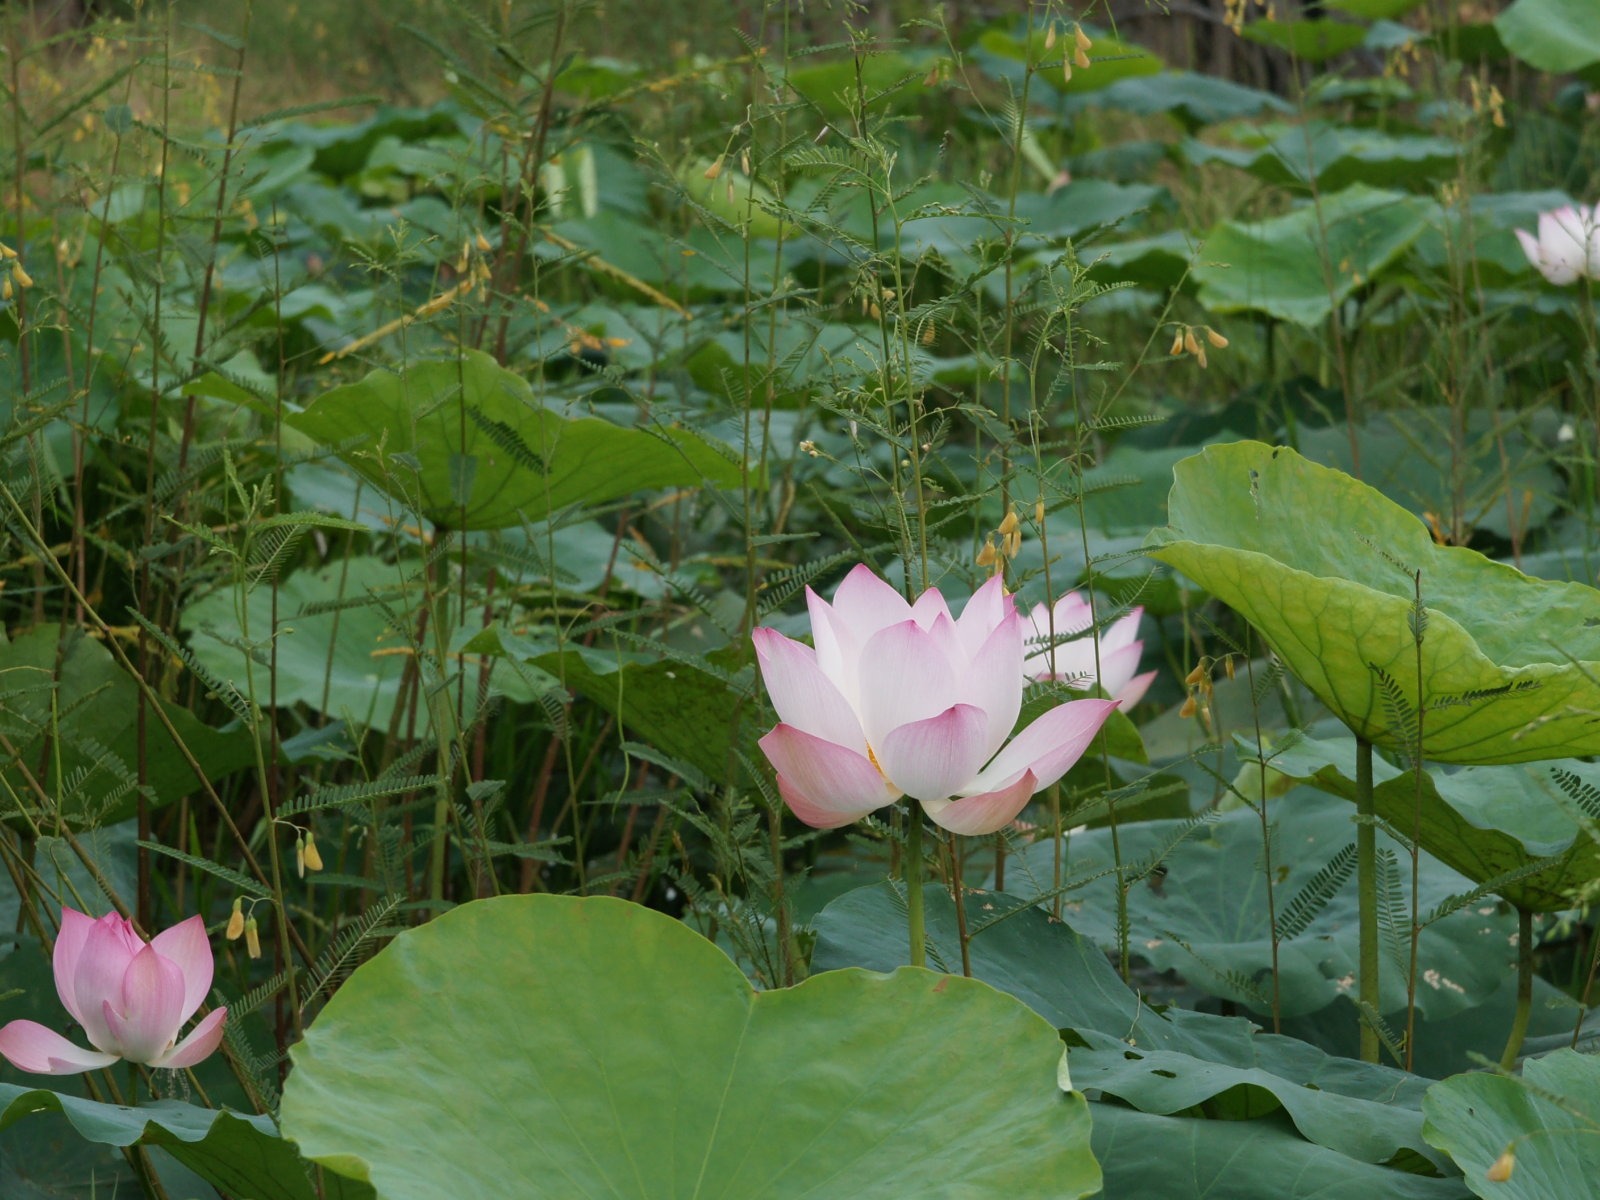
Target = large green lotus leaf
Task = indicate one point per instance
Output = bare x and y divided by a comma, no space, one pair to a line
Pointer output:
1192,98
1206,916
1485,822
1313,41
1336,156
440,436
1160,1063
1148,1157
343,642
1553,35
95,708
1322,566
1551,1116
243,1155
554,1046
1276,266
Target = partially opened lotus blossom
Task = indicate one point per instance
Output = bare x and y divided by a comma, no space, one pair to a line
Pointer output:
132,998
1567,246
1073,662
905,699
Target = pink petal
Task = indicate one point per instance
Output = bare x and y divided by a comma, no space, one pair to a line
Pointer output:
202,1040
834,782
146,1020
985,812
1049,746
929,607
802,694
813,814
75,927
989,606
1072,615
1124,631
187,946
865,604
1134,692
1118,666
993,682
29,1046
830,655
934,758
905,677
1530,247
103,960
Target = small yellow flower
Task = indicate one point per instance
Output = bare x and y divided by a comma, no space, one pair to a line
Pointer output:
252,939
235,921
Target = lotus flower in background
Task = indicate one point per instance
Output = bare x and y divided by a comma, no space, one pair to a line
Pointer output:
1073,662
906,699
1567,246
132,998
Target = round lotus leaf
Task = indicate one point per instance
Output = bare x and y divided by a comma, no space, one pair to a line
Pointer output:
545,1046
1498,666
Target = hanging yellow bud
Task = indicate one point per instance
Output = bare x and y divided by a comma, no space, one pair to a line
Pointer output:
6,252
1197,676
252,939
1081,59
987,556
1081,38
1038,511
313,858
1227,666
1009,524
1200,356
482,243
1190,342
1177,344
5,288
1500,1170
1050,36
714,169
1066,71
300,855
1188,709
928,333
22,277
235,921
1216,339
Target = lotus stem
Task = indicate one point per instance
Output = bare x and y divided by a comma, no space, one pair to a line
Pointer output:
911,870
1367,892
1519,1021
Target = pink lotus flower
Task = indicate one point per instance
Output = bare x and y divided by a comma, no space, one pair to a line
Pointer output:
1073,662
131,997
1568,244
904,699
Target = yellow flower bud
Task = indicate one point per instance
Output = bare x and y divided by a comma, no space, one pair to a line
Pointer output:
1188,708
1500,1170
1190,342
1081,59
22,277
1177,344
482,243
1081,38
5,288
1050,37
1216,339
299,856
1066,71
1009,524
714,169
1038,511
235,921
313,858
252,939
986,556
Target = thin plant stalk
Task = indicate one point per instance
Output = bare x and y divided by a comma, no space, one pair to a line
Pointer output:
912,874
1367,893
1524,1009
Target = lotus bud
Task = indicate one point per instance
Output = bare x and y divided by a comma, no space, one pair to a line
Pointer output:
313,858
235,921
252,938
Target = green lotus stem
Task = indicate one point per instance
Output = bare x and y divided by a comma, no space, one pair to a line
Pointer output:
1367,892
1519,1021
911,870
